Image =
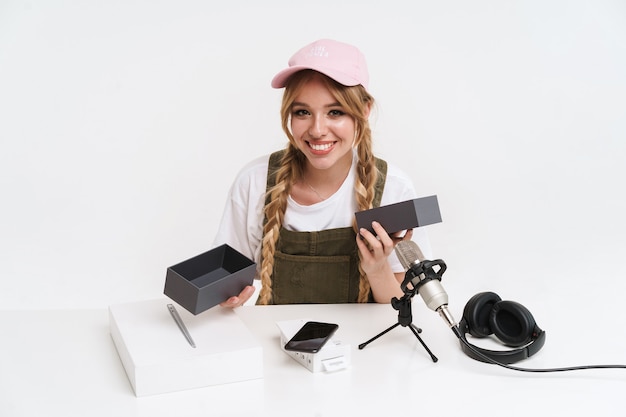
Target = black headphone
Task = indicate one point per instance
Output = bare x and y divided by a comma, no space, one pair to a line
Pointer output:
512,323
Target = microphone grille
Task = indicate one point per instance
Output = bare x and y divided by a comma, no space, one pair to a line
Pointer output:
408,253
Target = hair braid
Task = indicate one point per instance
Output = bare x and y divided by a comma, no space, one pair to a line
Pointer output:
274,214
365,181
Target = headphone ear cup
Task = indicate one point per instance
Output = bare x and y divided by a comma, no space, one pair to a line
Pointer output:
512,323
477,313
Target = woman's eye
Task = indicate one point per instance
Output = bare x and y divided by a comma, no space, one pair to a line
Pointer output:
300,112
336,113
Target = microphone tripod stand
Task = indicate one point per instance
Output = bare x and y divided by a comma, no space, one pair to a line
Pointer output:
405,319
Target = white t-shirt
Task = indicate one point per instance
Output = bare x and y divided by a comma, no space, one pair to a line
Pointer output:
242,221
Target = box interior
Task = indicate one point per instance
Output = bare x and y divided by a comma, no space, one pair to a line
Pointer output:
211,266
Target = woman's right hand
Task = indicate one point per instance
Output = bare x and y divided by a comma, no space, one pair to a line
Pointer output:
239,300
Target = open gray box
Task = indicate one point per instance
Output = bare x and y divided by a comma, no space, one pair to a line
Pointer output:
208,279
401,216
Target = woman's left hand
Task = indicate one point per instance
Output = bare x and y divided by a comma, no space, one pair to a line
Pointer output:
376,248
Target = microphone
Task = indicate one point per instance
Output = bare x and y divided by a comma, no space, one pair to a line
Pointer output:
424,278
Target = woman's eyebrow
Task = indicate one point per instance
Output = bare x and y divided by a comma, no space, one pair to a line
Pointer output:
298,103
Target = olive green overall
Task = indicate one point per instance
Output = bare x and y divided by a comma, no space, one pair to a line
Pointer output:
317,267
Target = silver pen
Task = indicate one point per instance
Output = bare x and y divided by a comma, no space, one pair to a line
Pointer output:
180,324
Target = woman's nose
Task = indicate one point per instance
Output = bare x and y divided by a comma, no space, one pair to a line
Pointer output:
318,127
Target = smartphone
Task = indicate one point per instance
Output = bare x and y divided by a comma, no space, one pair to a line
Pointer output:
311,337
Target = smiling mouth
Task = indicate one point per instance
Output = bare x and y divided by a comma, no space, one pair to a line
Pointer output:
321,146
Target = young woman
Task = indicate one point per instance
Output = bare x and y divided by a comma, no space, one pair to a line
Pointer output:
292,212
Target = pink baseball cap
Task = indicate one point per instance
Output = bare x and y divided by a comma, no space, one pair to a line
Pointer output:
340,61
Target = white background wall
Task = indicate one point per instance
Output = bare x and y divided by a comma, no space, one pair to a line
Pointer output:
122,124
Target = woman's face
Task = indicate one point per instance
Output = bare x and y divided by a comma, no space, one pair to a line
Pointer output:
322,129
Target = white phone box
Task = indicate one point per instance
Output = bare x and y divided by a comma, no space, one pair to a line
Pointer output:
333,356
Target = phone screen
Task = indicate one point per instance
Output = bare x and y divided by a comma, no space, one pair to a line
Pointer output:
311,337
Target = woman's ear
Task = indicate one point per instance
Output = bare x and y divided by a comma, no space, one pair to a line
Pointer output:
368,110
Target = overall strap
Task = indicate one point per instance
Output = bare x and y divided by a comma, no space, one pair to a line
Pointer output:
274,164
381,165
272,169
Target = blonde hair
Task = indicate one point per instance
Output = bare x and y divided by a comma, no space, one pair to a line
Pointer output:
357,102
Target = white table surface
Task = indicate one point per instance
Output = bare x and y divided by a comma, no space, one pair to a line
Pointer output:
64,363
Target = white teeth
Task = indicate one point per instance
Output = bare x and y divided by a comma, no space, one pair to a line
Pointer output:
320,147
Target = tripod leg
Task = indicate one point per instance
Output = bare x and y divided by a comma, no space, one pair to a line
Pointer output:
415,332
362,345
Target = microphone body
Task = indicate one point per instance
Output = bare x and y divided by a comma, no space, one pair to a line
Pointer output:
424,278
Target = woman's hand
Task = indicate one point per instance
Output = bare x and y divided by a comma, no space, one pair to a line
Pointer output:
374,251
239,300
376,248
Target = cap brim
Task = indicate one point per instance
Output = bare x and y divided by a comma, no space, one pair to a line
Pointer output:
280,79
